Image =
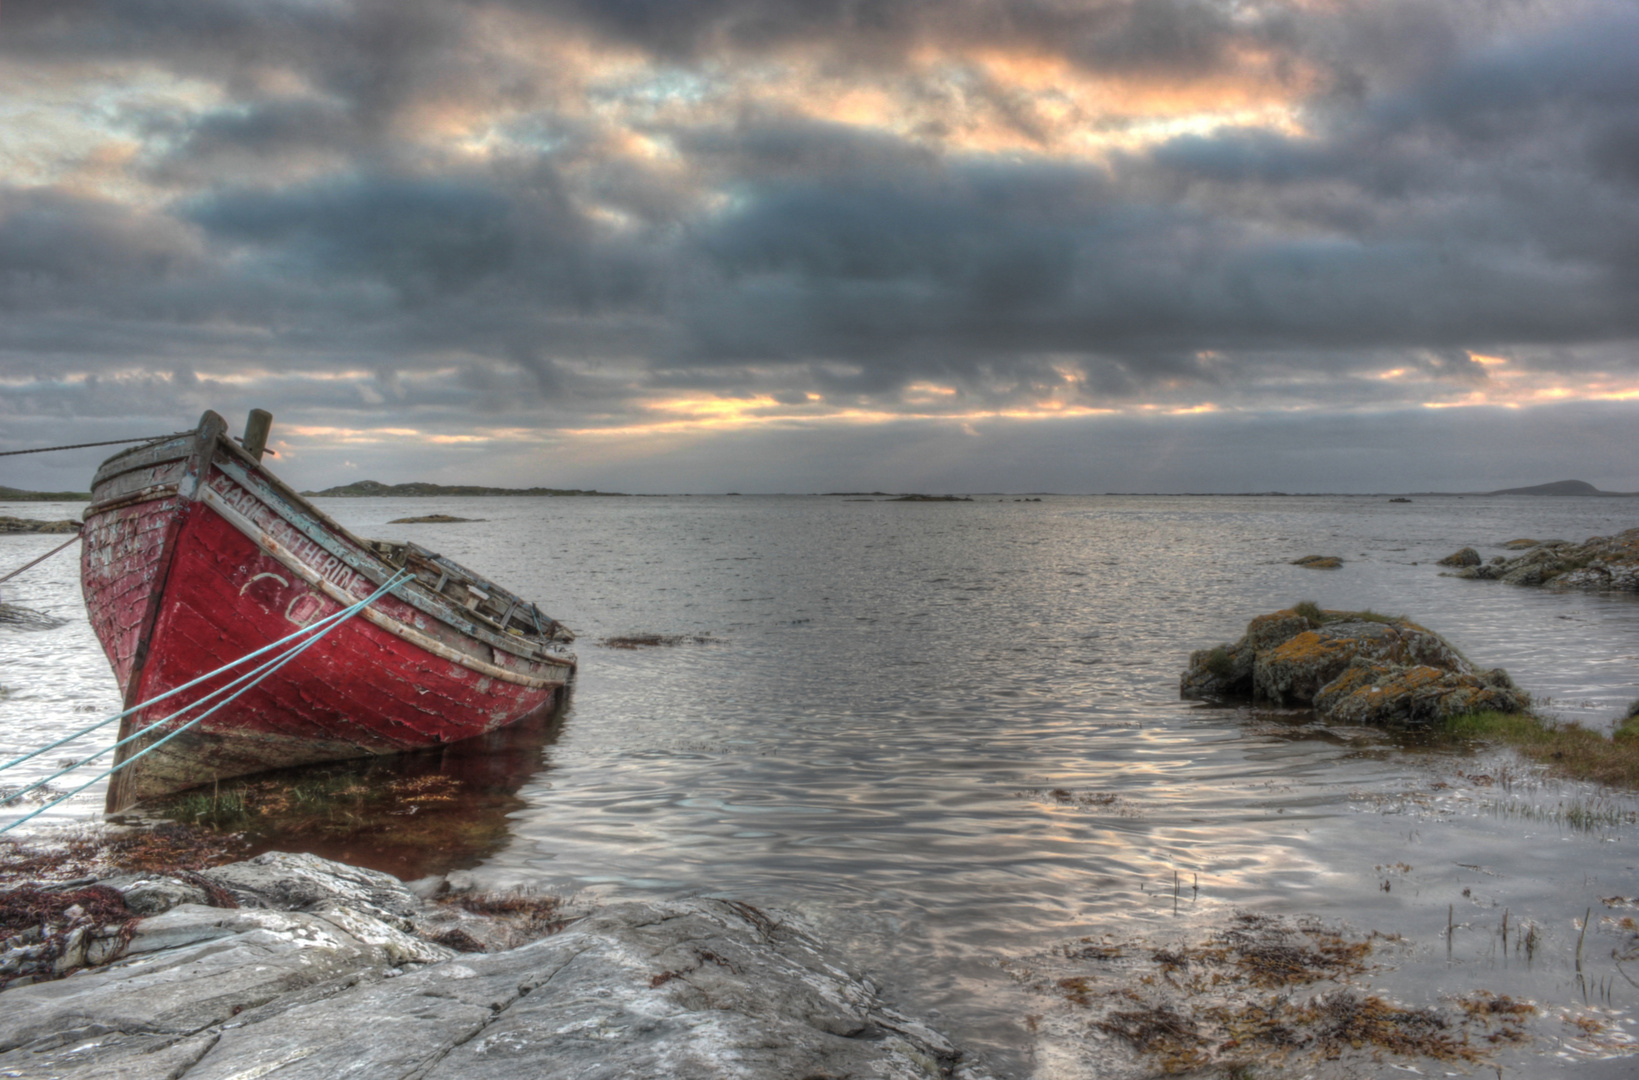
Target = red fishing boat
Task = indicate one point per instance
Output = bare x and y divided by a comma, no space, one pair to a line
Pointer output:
195,555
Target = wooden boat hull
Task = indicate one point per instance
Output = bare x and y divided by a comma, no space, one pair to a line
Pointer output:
195,555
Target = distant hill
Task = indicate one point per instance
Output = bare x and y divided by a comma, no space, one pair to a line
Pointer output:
10,494
1560,487
374,488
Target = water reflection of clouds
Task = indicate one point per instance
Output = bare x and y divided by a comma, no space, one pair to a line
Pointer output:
801,766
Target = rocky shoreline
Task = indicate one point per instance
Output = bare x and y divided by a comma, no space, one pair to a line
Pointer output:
1601,563
294,964
16,525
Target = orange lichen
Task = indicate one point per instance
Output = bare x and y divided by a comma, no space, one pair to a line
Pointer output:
1310,647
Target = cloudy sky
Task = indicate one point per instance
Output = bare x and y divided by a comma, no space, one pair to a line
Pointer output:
796,245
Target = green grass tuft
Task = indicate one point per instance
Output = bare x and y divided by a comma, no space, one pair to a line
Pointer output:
1368,615
1569,749
1219,662
1318,616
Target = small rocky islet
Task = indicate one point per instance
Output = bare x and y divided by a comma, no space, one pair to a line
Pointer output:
1600,563
1351,667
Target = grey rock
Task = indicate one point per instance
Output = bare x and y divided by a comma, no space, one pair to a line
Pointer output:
1294,673
1351,669
1376,692
191,970
460,881
155,894
1223,672
705,988
1601,563
428,887
690,989
74,950
286,882
1465,557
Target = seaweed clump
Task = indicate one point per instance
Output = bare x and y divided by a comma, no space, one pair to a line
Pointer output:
1238,1000
652,641
47,932
167,848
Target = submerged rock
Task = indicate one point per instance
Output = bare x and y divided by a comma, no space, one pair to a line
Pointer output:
432,519
1605,563
325,970
22,618
1350,667
1319,562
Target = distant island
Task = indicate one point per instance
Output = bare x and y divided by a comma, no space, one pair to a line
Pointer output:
364,489
432,519
11,494
888,496
1563,487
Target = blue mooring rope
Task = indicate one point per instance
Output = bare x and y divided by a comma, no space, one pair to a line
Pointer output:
308,629
254,674
255,677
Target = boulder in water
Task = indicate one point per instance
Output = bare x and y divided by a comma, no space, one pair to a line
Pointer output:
1351,667
1465,557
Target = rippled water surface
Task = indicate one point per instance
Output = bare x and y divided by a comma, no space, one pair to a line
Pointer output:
888,693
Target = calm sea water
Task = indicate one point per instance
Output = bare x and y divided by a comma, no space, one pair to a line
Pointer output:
888,690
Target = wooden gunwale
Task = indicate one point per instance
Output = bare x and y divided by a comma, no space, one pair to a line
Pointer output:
116,464
279,552
372,567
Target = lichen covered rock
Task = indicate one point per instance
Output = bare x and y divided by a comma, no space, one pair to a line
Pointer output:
1351,667
1369,692
1466,557
1603,563
1222,671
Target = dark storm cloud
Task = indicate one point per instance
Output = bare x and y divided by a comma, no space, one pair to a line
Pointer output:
53,245
469,210
424,238
1110,35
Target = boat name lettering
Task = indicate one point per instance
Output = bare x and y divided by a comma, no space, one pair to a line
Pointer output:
310,553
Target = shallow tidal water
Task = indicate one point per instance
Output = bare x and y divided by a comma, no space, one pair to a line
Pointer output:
885,696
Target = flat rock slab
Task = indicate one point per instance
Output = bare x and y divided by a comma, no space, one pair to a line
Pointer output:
686,989
185,972
283,881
